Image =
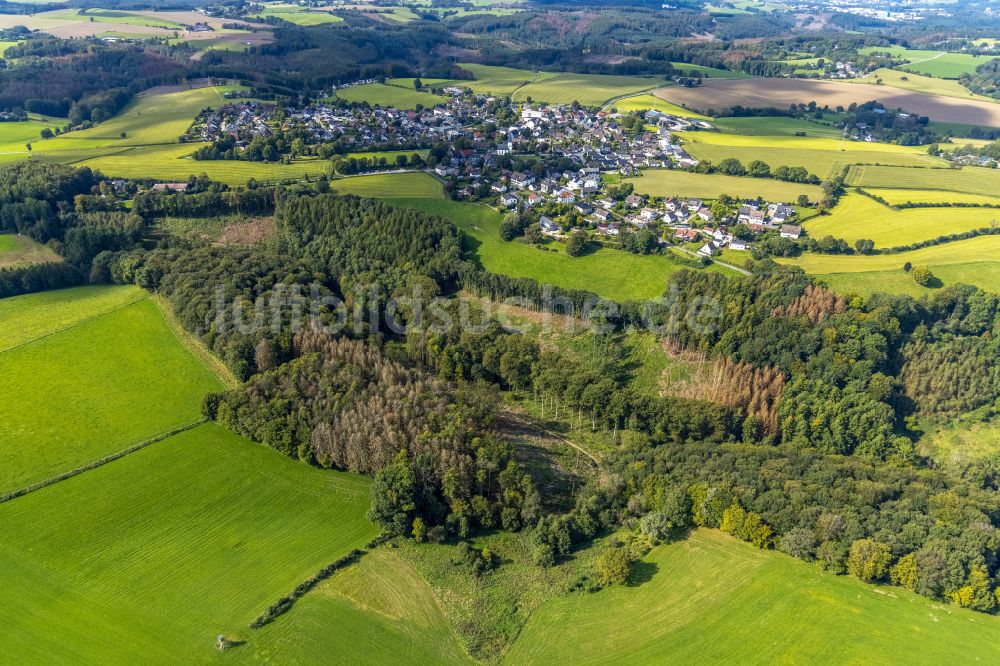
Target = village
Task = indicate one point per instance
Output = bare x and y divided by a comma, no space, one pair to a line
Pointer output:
564,166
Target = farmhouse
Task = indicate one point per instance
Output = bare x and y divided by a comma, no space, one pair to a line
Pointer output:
791,231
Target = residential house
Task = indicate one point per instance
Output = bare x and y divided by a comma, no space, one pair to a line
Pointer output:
791,231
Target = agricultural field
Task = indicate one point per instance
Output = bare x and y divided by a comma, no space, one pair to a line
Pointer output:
115,18
672,182
647,101
298,15
824,157
918,83
972,261
939,64
389,95
391,186
139,382
711,598
967,180
708,72
896,197
67,25
105,567
16,250
379,611
587,89
778,126
14,136
499,80
4,45
858,216
716,94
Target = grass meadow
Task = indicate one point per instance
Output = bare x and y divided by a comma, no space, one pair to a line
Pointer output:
647,101
112,376
299,16
711,598
896,197
968,180
972,261
940,64
18,251
150,557
822,156
688,69
499,80
672,182
777,126
587,89
389,95
379,611
917,83
858,216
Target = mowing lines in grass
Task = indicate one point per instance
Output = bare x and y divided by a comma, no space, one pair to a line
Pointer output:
712,599
92,389
151,556
858,216
971,180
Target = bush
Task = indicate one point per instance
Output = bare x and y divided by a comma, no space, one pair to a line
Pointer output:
922,275
613,566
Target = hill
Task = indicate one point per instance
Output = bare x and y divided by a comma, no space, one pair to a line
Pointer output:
711,598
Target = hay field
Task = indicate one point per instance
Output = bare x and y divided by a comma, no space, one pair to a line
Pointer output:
672,182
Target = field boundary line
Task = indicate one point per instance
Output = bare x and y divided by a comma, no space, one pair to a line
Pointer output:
99,462
194,345
72,326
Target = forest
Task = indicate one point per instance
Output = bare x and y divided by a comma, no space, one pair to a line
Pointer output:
806,446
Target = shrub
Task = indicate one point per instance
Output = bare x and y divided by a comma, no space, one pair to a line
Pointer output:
613,566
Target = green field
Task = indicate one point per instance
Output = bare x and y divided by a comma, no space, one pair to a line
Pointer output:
824,157
389,95
18,251
378,612
391,186
712,599
918,83
138,381
113,17
688,69
646,101
858,216
14,136
587,89
499,80
148,558
673,182
973,261
4,45
896,197
778,126
939,64
969,180
298,16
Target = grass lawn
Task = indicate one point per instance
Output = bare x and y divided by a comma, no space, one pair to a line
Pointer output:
822,156
22,251
713,599
970,180
672,182
110,380
858,216
646,101
587,89
896,197
379,611
389,95
150,557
